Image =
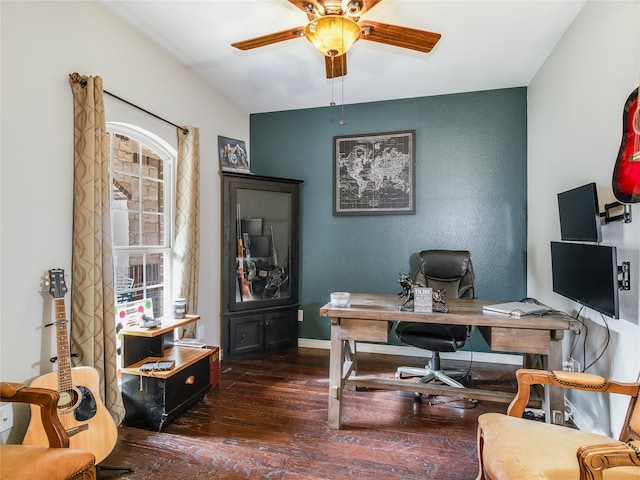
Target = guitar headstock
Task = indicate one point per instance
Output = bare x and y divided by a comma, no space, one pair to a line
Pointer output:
57,285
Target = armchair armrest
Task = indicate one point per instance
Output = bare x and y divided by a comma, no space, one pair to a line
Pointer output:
47,400
593,459
570,380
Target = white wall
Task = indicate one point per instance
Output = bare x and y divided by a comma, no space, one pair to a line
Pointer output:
574,132
43,42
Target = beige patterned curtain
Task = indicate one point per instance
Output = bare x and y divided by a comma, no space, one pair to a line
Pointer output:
93,332
186,249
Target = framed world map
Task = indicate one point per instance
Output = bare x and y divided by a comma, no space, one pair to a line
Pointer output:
374,174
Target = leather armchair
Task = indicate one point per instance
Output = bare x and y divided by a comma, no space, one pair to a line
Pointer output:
511,447
56,462
451,270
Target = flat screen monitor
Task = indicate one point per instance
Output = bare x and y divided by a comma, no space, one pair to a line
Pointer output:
580,214
587,274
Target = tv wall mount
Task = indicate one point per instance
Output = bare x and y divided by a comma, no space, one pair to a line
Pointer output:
624,275
624,270
625,216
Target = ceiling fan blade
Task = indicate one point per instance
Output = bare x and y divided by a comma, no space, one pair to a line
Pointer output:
404,37
269,39
336,67
366,5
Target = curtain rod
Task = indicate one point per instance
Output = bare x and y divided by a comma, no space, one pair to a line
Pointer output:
75,77
184,130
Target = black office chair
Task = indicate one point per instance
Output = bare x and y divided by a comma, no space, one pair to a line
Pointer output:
453,271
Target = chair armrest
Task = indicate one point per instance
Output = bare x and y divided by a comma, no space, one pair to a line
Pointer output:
47,400
9,389
571,380
593,459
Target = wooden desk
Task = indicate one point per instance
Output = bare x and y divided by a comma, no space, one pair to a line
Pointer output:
367,320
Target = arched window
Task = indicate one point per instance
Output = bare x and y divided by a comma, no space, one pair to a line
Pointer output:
142,191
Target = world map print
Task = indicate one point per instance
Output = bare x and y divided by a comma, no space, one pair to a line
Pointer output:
374,174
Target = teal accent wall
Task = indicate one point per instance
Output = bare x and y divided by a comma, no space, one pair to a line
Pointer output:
471,193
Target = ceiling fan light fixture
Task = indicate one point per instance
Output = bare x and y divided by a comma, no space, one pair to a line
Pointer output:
353,9
332,35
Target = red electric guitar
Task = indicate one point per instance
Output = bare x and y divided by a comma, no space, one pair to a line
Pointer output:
626,174
85,418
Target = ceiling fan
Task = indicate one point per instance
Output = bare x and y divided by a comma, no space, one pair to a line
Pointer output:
335,25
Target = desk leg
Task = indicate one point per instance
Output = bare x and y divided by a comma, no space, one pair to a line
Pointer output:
554,396
354,357
336,383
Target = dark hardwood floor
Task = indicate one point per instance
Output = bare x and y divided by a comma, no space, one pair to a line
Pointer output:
268,419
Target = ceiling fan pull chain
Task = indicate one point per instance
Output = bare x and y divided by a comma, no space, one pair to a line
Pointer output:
342,60
342,121
333,58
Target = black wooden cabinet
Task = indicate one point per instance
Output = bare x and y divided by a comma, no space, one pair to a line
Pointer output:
154,398
260,263
257,331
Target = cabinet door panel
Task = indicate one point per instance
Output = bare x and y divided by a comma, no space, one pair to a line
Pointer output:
245,334
260,242
280,329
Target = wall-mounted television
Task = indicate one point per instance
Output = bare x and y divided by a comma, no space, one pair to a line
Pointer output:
587,274
580,214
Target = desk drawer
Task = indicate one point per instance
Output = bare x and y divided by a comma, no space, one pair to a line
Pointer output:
364,330
519,340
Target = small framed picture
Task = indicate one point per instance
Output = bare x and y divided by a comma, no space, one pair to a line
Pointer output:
422,299
233,155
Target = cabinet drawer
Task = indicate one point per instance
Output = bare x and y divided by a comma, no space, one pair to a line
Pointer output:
186,384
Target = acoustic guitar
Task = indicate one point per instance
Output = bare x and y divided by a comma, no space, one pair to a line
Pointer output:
626,173
87,421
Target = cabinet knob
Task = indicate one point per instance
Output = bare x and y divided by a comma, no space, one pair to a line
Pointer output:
190,380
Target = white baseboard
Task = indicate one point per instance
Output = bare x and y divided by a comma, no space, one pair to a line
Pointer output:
581,421
487,357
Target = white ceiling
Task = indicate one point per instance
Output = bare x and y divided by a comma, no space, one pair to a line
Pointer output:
485,45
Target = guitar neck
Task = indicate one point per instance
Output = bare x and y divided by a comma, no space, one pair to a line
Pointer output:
65,381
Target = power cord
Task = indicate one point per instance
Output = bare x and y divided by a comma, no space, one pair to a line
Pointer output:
578,335
576,338
606,345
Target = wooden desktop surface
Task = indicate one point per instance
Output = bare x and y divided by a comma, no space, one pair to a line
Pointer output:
462,311
367,318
